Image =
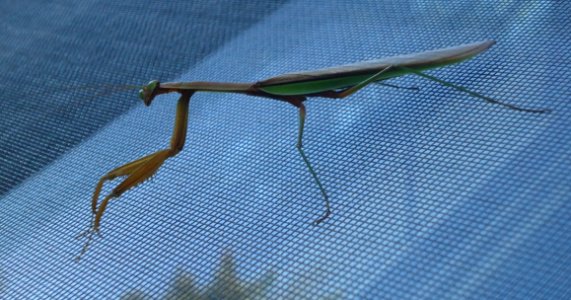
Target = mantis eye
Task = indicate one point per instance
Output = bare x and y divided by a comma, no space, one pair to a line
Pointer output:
142,94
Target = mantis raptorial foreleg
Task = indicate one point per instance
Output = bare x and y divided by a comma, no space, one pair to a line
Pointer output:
142,169
124,170
139,170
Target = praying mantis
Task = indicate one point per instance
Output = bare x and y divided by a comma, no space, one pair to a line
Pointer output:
293,88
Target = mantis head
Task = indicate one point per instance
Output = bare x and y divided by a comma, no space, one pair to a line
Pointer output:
147,92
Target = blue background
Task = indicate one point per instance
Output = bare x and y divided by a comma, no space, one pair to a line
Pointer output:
434,194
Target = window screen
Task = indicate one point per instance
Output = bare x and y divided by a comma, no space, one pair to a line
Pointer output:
434,194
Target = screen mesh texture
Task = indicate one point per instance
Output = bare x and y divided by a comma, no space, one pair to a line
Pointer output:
435,194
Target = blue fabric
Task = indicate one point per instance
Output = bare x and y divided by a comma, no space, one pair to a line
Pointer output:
434,194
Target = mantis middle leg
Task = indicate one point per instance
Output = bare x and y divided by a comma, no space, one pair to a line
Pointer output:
298,102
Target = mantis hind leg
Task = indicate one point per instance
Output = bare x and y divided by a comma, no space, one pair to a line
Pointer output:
351,90
410,88
474,94
298,102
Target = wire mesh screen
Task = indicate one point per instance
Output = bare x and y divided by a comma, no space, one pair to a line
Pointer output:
434,194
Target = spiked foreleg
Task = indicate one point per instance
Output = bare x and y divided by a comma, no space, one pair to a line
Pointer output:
142,169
